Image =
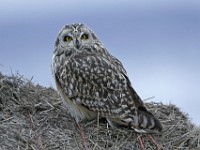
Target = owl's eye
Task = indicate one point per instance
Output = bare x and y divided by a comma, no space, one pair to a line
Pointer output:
67,38
84,36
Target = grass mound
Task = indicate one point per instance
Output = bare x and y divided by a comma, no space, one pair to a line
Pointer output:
33,117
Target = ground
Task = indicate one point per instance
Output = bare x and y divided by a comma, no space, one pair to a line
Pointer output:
33,117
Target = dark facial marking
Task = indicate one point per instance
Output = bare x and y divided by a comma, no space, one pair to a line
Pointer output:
57,42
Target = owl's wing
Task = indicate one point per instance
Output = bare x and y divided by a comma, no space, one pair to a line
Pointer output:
99,71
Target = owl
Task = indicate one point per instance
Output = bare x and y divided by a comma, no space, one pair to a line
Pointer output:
92,82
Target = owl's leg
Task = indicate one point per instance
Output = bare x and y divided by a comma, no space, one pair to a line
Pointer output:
82,135
152,139
140,140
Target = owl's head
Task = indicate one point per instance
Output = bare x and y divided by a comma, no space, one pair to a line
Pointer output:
75,36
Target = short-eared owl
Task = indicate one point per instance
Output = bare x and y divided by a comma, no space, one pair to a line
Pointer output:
93,82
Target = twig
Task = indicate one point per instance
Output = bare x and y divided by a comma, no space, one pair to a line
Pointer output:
36,133
148,98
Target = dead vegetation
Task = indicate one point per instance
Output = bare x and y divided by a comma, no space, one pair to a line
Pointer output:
33,117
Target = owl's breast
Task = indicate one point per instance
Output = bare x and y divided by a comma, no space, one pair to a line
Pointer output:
68,86
78,111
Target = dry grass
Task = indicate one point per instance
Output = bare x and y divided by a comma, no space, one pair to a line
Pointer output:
33,117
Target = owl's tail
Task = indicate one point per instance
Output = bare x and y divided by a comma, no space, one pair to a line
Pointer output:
135,115
140,120
147,121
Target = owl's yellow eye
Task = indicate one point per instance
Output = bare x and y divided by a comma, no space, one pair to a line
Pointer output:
67,38
84,36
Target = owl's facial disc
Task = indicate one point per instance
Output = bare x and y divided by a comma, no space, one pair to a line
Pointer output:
74,38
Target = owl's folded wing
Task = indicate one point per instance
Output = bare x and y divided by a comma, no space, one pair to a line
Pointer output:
99,71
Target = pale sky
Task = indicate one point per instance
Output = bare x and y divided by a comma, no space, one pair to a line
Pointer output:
157,41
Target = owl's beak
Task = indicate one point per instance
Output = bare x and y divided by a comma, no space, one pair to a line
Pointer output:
77,44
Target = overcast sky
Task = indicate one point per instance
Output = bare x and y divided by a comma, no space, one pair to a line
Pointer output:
157,41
